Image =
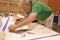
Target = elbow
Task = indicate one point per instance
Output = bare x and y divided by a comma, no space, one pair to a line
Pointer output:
32,16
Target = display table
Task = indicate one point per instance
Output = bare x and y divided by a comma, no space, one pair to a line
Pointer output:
37,32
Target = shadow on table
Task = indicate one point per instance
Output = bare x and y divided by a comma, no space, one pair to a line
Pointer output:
19,31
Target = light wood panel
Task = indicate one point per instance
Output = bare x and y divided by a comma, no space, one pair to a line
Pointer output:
7,6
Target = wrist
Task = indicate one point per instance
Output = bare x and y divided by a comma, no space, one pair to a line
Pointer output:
15,27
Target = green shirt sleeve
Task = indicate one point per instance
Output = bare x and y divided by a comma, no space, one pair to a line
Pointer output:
42,10
36,8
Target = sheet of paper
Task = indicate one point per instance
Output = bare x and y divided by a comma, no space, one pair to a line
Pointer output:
38,31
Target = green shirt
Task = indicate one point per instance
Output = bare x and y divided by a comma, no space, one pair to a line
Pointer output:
42,10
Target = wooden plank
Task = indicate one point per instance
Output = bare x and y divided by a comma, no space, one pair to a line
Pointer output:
13,8
3,7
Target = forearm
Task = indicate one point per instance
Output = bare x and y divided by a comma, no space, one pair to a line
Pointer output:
28,20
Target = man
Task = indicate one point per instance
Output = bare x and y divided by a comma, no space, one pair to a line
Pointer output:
35,10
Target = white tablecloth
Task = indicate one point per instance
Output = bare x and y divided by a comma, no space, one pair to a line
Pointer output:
38,31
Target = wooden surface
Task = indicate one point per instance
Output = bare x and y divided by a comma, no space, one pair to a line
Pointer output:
7,6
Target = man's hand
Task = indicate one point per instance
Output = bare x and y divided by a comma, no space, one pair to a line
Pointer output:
12,27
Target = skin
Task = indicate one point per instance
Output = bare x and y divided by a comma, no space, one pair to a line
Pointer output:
26,21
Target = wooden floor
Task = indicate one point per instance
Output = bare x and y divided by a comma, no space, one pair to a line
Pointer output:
56,27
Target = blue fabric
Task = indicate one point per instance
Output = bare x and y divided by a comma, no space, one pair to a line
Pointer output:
55,19
6,24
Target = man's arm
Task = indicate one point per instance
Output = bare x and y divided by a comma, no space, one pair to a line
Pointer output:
28,20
